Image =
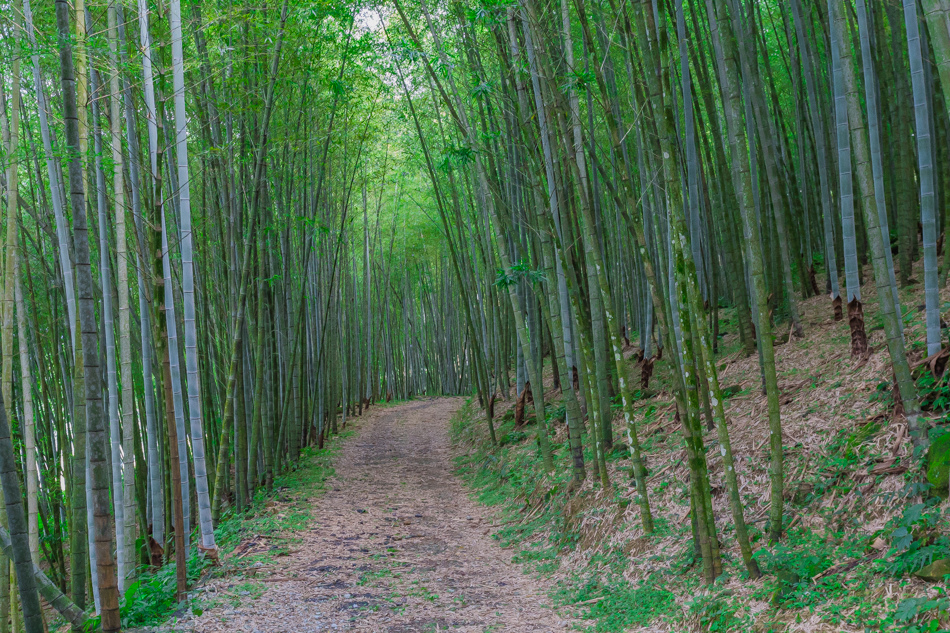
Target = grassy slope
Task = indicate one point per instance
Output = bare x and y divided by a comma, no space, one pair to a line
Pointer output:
857,523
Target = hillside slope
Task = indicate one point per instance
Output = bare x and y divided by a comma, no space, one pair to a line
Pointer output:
859,519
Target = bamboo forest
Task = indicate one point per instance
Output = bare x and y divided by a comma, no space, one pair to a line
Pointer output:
499,315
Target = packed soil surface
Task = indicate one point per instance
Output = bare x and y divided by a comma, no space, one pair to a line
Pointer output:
396,545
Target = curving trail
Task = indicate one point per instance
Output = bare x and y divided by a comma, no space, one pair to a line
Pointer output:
395,546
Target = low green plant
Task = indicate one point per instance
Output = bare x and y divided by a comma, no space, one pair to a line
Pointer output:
923,615
624,606
795,564
150,599
513,437
933,391
717,613
915,540
369,576
250,589
883,394
845,453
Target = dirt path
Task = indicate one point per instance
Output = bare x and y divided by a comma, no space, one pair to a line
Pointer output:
395,546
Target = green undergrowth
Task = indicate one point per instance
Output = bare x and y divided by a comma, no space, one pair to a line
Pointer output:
844,577
536,528
277,516
394,402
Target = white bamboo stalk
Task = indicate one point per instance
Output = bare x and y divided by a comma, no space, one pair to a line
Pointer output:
925,169
55,181
154,459
188,282
29,428
175,367
127,544
112,387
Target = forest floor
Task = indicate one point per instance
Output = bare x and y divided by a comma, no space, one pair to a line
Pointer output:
393,544
858,520
381,531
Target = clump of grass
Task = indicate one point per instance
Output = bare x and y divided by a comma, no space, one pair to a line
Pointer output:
150,600
616,605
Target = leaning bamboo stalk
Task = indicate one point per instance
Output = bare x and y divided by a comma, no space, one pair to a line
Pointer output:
99,484
848,98
151,119
739,143
126,563
594,254
871,92
108,326
818,133
705,359
29,424
188,284
9,122
925,171
55,180
18,538
47,588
